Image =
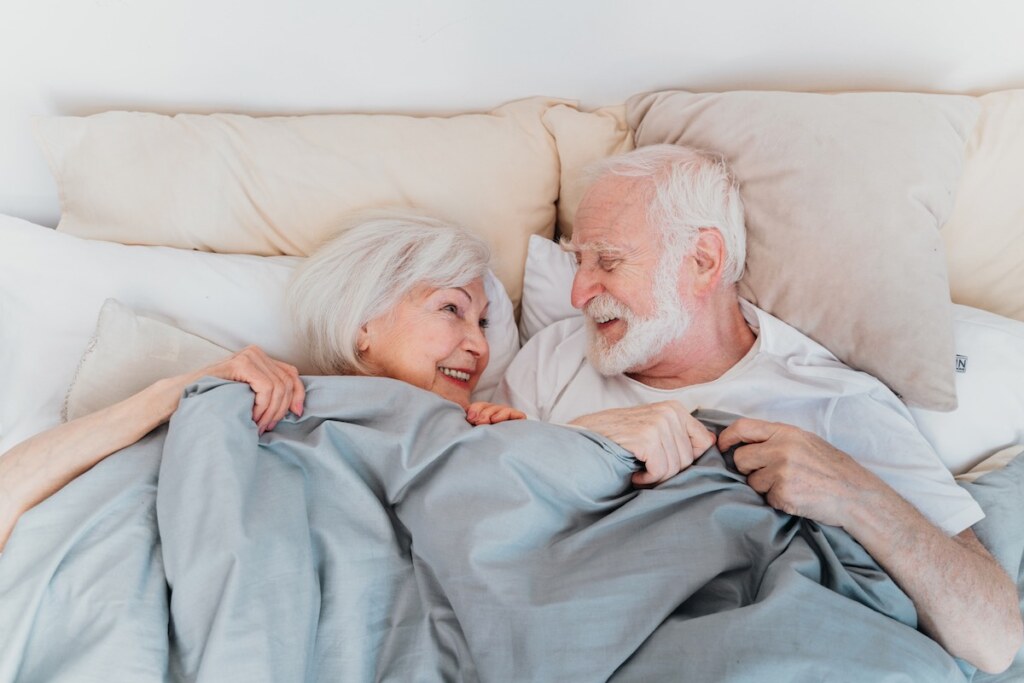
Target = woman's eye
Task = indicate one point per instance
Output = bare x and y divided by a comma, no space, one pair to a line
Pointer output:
451,308
484,323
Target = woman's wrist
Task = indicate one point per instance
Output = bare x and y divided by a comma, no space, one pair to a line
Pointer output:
162,397
10,511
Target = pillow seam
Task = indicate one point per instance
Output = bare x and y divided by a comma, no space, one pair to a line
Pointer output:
51,162
89,350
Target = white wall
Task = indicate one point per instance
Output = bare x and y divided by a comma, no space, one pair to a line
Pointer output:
272,56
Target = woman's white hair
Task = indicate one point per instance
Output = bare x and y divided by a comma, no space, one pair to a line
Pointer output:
365,271
689,189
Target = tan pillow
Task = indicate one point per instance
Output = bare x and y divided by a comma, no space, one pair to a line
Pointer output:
582,138
844,195
995,462
984,236
127,354
281,185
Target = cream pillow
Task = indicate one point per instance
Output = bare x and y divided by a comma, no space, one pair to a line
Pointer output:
844,196
582,138
991,464
281,185
984,236
128,353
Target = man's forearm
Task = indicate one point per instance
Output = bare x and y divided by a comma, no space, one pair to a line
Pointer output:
964,599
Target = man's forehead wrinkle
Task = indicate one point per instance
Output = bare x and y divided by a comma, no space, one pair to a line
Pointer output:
614,211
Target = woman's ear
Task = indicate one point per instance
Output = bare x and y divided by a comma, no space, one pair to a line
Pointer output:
709,258
363,339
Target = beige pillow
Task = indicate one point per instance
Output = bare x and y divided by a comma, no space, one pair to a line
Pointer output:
996,462
281,185
984,236
127,354
582,138
844,195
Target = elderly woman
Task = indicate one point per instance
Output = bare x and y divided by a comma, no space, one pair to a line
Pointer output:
390,297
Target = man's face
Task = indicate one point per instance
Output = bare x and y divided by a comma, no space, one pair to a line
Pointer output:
625,285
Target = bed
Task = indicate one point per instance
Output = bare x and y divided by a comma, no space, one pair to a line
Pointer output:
887,226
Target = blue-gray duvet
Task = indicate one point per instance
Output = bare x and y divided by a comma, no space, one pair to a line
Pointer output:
382,538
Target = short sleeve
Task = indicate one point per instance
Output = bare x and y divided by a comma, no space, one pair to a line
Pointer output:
878,432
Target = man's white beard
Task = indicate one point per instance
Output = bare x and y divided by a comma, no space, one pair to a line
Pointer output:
645,338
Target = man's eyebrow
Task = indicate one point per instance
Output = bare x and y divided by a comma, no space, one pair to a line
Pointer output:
568,246
602,248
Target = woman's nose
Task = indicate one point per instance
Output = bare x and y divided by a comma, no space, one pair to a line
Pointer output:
476,341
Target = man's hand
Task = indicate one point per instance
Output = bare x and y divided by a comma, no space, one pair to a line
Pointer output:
798,472
663,436
974,613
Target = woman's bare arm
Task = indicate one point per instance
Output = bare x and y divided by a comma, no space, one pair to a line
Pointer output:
39,467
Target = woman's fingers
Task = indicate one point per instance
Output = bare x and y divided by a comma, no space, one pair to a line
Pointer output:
281,389
276,385
482,413
293,393
298,389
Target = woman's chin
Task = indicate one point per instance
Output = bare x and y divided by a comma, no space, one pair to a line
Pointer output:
454,390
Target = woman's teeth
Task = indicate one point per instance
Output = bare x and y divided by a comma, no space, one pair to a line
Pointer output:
455,374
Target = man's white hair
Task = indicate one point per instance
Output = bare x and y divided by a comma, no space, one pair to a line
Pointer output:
688,189
365,271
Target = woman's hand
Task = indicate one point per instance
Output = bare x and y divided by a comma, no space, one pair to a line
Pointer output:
484,413
277,385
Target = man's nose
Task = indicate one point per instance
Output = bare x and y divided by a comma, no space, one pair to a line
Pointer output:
584,288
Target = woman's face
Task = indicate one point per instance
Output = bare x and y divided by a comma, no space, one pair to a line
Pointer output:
434,339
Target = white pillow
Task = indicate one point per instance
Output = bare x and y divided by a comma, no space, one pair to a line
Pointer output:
546,287
52,287
989,386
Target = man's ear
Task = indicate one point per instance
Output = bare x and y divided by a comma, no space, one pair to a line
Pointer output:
709,259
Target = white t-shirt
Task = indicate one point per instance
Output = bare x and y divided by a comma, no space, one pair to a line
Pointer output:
785,377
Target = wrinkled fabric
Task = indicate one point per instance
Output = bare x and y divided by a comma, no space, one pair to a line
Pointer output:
82,589
381,537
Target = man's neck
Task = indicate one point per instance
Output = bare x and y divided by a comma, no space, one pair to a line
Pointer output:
717,340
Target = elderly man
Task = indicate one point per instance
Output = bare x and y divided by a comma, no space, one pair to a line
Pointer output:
660,242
